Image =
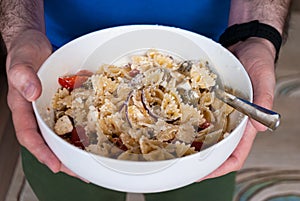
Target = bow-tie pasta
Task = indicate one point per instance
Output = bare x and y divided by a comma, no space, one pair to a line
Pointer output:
152,108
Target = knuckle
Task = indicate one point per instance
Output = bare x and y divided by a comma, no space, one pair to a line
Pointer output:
18,71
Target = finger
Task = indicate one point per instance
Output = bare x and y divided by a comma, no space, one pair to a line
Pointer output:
66,170
27,131
23,78
239,155
25,56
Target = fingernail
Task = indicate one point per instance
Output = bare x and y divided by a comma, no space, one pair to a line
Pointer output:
29,91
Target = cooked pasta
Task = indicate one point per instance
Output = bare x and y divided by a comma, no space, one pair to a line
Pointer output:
152,108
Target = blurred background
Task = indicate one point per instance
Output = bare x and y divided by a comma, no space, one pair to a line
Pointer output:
271,172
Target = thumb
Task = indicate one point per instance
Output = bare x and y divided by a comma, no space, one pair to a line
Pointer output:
25,56
24,79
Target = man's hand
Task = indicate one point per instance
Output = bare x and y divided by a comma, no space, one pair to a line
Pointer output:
257,55
25,56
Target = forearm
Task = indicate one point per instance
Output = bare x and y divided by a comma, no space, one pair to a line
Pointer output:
17,16
271,12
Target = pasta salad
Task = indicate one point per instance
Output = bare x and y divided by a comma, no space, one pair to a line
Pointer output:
154,107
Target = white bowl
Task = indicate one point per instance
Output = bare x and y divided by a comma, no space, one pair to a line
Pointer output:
107,46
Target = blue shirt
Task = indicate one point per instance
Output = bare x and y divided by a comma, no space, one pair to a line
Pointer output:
69,19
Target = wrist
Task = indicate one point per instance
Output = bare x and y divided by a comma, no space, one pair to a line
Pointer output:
264,46
269,45
252,29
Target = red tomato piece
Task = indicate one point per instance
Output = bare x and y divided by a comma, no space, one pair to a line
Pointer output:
73,81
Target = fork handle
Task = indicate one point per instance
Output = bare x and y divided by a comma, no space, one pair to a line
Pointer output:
266,117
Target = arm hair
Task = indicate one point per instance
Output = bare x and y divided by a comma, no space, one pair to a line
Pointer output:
17,16
272,12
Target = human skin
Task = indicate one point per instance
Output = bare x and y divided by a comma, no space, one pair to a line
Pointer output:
23,29
257,56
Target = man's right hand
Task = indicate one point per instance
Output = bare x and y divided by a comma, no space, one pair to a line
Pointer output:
26,54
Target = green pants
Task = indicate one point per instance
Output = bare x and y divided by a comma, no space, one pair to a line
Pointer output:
61,187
